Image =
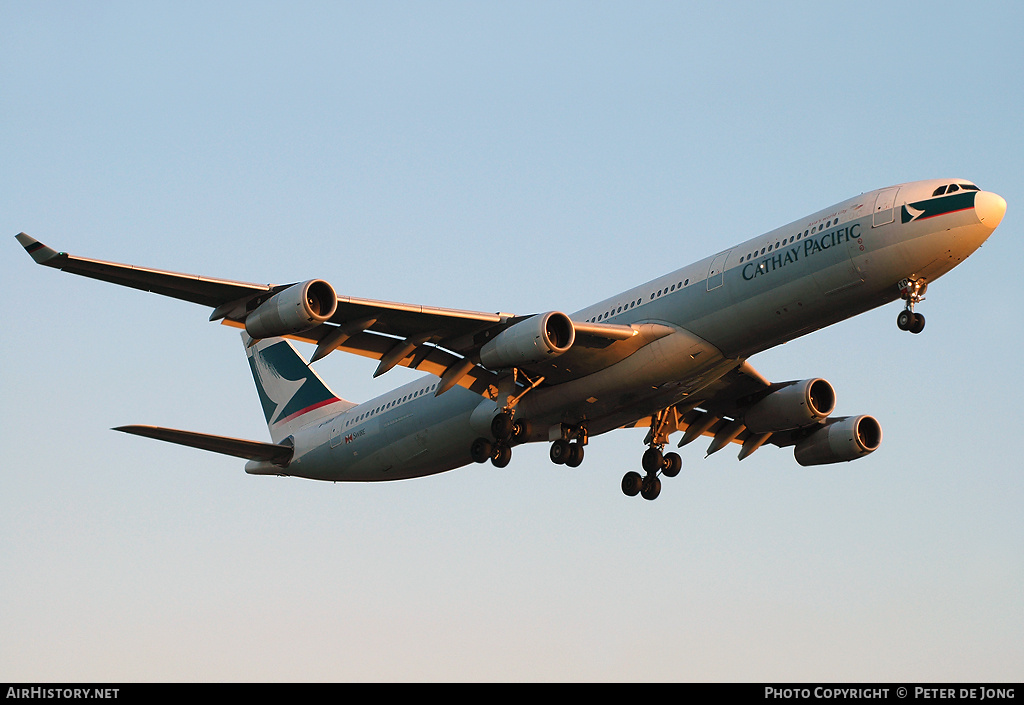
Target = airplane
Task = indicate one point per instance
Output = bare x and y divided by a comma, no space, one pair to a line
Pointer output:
670,355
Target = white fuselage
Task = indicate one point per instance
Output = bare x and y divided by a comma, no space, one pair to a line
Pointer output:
829,266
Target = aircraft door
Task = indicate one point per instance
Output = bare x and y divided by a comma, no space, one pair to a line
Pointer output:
716,273
884,212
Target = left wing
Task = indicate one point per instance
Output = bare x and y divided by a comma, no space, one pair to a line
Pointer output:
279,455
441,341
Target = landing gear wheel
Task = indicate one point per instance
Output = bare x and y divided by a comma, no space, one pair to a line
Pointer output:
502,427
672,465
501,455
653,460
917,325
561,451
905,319
632,484
521,431
575,455
480,451
651,488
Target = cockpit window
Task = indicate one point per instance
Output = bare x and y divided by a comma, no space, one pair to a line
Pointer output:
952,188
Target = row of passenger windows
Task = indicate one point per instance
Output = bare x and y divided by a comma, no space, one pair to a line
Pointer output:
390,404
950,188
953,188
634,304
790,240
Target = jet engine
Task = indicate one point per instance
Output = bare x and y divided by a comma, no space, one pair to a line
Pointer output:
298,308
794,406
842,439
538,338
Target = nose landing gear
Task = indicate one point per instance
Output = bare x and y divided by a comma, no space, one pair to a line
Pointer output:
913,293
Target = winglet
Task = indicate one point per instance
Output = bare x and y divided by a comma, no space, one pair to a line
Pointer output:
40,252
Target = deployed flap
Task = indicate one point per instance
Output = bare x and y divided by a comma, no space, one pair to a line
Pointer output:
237,447
715,412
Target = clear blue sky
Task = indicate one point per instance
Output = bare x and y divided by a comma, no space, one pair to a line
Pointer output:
519,157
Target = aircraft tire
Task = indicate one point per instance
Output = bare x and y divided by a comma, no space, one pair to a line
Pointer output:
501,456
521,431
480,450
905,319
917,325
502,426
631,484
651,488
673,464
560,452
575,455
653,460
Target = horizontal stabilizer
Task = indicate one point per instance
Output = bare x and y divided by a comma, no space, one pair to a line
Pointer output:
239,448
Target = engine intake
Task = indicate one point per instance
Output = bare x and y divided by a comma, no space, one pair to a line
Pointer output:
796,405
298,308
843,439
538,338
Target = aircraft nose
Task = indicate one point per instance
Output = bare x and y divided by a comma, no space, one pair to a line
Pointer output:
990,208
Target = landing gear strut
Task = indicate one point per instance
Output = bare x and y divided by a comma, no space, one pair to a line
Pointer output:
913,293
505,427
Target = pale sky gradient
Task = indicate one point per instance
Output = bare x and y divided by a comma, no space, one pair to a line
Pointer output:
519,157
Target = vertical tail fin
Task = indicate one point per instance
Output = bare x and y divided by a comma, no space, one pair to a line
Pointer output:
292,394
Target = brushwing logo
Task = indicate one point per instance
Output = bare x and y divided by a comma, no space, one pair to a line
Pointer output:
286,385
276,388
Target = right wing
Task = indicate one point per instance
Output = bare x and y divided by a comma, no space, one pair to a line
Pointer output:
440,341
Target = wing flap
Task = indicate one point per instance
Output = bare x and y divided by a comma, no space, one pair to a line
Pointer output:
424,358
714,412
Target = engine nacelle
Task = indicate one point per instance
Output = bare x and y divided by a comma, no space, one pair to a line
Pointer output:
794,406
538,338
843,439
296,309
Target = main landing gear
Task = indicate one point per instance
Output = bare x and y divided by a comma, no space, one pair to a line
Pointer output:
654,460
913,293
507,431
568,450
